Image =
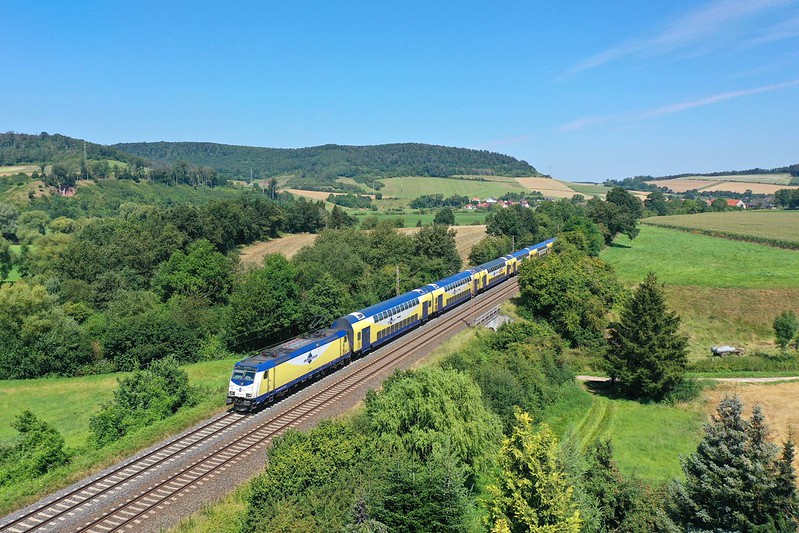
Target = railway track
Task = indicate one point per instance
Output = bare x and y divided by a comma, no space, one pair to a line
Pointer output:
130,515
74,499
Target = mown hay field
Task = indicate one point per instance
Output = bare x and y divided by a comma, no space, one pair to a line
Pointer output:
742,187
17,169
548,187
684,184
413,187
779,401
289,245
737,185
769,227
776,179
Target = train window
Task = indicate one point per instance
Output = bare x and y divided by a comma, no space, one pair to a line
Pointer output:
359,335
237,373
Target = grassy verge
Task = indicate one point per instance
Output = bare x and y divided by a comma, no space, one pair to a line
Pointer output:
648,439
224,516
68,403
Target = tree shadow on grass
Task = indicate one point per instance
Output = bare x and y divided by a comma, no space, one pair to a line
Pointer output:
603,387
617,245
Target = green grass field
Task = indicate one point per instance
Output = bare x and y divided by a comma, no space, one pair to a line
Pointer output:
589,189
768,226
14,274
68,403
648,439
414,187
725,291
680,258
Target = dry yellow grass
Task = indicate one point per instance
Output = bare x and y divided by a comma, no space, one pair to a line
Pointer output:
466,237
289,245
685,184
714,184
318,195
737,316
780,403
776,179
741,187
547,187
16,169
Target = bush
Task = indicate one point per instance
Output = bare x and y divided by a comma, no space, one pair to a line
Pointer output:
142,398
785,327
519,366
39,450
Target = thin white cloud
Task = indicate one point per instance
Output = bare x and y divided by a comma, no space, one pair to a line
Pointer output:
674,108
699,27
581,123
787,29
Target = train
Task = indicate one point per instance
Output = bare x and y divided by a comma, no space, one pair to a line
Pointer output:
275,371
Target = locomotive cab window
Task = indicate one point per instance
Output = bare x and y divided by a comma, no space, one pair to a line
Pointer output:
246,377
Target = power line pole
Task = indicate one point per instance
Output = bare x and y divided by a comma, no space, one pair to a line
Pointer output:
398,288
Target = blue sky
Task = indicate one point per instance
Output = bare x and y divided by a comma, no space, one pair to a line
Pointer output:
582,90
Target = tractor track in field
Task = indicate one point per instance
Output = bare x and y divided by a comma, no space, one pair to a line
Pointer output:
158,487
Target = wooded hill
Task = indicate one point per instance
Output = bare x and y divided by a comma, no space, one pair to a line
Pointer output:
320,166
16,148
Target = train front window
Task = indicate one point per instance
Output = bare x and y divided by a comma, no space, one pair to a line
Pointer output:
243,377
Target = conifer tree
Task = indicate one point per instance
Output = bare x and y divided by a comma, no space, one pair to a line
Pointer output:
534,494
734,481
646,352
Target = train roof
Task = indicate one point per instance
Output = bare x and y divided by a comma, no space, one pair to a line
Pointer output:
450,279
383,306
491,264
274,355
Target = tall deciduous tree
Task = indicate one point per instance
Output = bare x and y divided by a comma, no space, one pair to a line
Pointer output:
263,305
619,213
445,216
533,493
735,480
432,409
438,242
646,352
572,292
203,271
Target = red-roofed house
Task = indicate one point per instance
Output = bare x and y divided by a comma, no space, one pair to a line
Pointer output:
733,202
